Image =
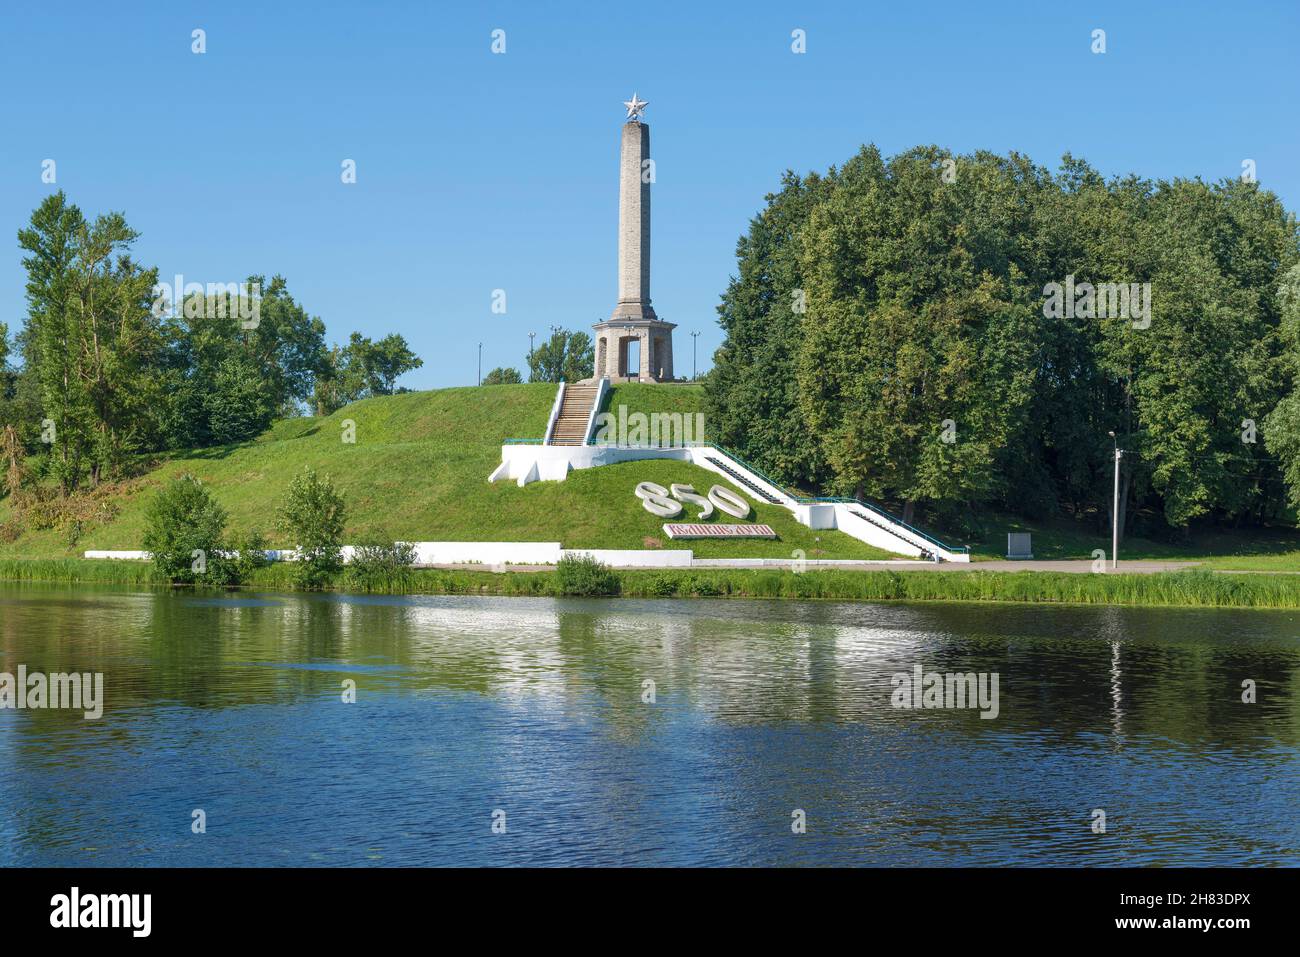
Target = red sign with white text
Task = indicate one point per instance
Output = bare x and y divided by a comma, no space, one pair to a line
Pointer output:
718,531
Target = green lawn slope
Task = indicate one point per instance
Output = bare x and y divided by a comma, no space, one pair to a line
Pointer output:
418,471
647,398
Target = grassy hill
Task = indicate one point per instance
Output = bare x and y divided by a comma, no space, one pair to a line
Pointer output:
418,471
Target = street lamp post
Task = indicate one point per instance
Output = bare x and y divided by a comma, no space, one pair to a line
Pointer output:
1114,512
695,366
480,363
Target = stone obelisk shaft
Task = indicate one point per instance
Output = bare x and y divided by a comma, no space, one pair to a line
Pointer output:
634,224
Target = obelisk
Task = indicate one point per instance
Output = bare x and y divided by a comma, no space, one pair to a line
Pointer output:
634,319
634,223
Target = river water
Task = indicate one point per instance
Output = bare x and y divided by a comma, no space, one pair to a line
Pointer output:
506,731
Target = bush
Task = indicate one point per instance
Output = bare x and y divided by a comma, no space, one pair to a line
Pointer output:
700,587
313,513
183,529
585,576
251,557
382,567
663,586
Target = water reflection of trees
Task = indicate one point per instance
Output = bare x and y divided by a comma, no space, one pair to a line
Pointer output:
1159,674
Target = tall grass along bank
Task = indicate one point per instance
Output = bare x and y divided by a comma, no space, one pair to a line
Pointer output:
1191,588
76,570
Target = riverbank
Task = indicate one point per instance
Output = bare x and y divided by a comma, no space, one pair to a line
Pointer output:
1187,588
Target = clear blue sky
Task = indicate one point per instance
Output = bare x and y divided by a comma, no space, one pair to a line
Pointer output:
479,171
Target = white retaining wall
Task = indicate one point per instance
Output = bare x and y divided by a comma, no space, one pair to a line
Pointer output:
637,557
128,555
795,563
540,463
493,555
816,517
487,553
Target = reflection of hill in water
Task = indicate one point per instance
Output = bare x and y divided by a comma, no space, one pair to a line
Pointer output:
465,705
1166,675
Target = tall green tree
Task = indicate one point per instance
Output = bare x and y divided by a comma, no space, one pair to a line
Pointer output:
891,332
916,364
752,394
1282,427
234,367
567,356
90,344
50,338
503,376
118,342
362,369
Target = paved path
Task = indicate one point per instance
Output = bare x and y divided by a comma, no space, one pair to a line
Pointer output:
1074,566
1080,566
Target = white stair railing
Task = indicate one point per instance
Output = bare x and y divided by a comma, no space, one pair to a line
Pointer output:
555,415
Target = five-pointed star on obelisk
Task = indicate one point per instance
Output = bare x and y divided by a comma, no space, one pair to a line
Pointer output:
635,107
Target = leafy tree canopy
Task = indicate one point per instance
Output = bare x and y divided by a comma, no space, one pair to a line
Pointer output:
892,332
567,356
500,376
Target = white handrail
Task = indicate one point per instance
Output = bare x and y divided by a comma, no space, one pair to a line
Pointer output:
601,388
555,414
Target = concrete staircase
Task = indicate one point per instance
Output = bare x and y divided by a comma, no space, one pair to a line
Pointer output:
893,528
740,479
570,426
